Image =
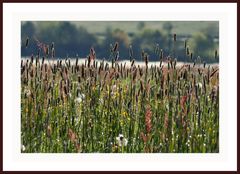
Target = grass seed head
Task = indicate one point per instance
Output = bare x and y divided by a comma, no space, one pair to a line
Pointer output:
115,48
175,37
148,117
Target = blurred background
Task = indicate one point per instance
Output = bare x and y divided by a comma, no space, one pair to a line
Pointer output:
75,38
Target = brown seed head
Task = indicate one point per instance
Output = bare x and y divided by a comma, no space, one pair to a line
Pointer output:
115,48
175,37
148,116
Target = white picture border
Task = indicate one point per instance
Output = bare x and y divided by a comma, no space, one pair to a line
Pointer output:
225,13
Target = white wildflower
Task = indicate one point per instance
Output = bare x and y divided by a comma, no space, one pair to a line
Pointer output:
167,107
27,92
83,96
101,101
121,140
114,88
23,148
200,85
208,98
80,98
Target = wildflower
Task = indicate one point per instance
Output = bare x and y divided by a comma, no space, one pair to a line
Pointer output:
23,148
121,122
208,98
188,143
114,91
27,92
114,88
200,85
121,140
77,120
80,98
101,101
116,95
124,114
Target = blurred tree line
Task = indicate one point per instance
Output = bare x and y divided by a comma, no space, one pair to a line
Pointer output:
71,41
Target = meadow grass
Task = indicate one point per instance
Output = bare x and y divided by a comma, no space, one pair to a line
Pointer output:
102,107
80,108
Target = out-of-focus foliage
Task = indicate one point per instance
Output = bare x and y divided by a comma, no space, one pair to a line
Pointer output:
203,45
71,40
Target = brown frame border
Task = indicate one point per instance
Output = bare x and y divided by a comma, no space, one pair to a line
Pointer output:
105,1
